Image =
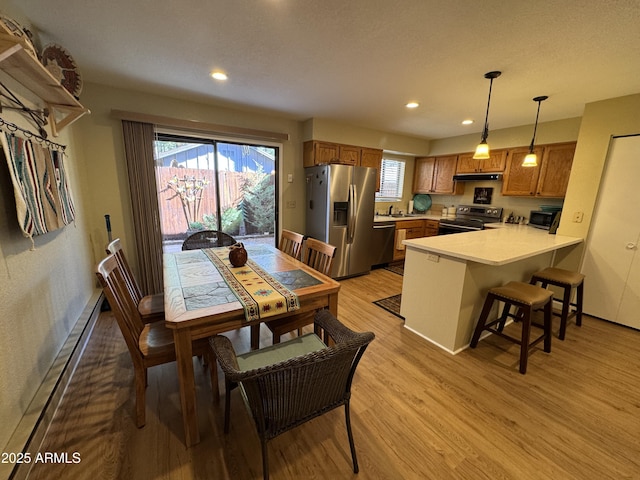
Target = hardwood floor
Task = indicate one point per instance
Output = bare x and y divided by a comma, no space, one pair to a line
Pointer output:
417,411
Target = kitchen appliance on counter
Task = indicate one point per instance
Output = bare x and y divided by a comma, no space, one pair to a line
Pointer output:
339,210
469,218
543,219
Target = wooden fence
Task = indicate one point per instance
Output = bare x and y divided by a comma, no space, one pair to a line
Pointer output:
172,215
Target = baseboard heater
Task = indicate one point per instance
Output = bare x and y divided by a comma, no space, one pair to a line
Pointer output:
31,430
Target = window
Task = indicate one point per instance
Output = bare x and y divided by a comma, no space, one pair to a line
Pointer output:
391,180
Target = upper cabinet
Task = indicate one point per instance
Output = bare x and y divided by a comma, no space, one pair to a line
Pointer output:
494,164
24,68
321,153
556,168
434,175
549,179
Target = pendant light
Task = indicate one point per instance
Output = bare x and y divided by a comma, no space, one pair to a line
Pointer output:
482,150
531,160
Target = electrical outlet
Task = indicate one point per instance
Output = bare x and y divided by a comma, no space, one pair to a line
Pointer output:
291,204
577,217
433,258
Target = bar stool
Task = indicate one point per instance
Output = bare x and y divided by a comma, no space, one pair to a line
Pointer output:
526,298
567,280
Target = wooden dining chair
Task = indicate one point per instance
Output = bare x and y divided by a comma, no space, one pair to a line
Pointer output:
288,384
207,239
291,243
149,344
151,307
319,256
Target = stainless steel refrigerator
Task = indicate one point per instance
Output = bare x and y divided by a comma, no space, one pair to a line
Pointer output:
340,209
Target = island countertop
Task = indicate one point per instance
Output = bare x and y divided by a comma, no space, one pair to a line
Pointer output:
498,246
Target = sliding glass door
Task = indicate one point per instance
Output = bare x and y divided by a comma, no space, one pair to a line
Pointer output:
208,184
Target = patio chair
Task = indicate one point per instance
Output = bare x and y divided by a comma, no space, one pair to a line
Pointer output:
288,384
207,239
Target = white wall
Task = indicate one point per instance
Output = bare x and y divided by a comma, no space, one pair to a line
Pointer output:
42,291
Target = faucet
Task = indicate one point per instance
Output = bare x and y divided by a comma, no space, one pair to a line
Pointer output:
390,210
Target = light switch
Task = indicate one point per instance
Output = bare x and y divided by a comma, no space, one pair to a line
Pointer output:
290,177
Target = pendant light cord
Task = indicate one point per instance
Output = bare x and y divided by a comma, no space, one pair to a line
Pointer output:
485,132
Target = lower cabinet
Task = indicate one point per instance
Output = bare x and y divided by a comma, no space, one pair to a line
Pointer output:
407,229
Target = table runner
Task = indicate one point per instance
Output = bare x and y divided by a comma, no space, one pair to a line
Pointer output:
261,294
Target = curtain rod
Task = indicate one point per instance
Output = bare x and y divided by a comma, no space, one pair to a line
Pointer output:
13,128
196,126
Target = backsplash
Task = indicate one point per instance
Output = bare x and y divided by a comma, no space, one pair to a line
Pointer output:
519,206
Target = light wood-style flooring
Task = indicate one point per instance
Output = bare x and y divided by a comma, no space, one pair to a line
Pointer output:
417,411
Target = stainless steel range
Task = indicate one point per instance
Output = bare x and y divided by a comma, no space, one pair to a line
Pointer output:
469,218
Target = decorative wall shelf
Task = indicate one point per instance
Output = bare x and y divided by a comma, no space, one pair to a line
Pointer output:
22,66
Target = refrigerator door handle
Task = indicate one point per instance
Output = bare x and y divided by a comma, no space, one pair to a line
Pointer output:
353,201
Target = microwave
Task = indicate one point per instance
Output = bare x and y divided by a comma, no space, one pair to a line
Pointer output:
545,220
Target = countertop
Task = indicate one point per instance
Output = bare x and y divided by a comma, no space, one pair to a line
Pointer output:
495,246
413,216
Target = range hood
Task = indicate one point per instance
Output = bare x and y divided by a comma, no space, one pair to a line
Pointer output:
476,177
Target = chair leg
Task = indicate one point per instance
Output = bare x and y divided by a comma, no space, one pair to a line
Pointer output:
579,298
548,315
265,459
488,303
504,316
213,372
352,446
566,298
526,334
228,386
140,374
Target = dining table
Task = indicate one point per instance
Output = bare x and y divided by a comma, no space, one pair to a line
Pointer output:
203,299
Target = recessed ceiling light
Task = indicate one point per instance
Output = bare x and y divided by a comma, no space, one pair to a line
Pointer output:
412,105
467,122
219,75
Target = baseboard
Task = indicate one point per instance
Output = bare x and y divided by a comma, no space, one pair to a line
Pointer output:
33,426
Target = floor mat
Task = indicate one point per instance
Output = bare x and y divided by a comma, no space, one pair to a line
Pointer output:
396,268
391,304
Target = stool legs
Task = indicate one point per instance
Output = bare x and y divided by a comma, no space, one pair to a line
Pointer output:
565,313
524,314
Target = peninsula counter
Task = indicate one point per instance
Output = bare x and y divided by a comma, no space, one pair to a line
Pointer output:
446,278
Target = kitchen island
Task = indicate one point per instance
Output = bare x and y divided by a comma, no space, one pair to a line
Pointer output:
446,278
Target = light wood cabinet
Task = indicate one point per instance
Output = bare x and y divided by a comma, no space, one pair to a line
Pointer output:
494,164
555,170
431,228
434,175
413,229
548,179
321,153
372,157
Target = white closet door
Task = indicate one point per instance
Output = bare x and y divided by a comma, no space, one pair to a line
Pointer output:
616,226
629,312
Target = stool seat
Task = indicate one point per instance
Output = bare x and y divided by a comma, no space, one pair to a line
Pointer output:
566,280
523,293
560,276
526,298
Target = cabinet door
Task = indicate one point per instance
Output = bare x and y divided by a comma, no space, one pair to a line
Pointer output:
519,180
423,174
320,153
370,157
349,155
443,176
431,228
466,163
495,163
555,170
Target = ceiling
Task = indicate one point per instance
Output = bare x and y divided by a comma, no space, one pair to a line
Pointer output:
358,61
